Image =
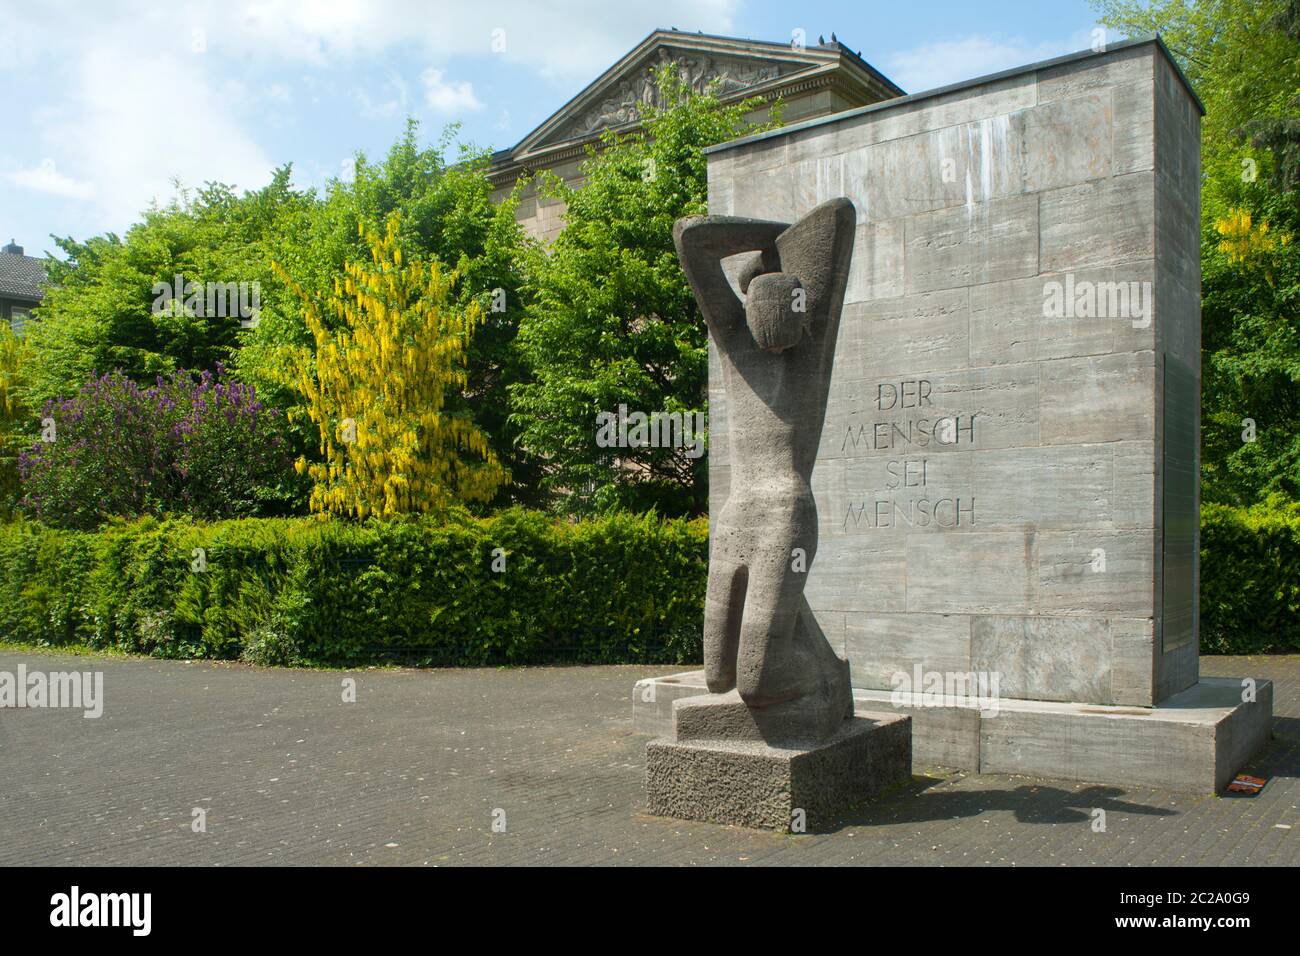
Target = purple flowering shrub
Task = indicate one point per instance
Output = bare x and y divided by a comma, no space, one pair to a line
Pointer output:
199,445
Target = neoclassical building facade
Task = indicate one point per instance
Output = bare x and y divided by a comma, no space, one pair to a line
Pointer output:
810,80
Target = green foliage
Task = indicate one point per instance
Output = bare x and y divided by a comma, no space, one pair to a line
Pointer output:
613,320
1251,370
17,423
1250,577
377,389
1243,58
621,588
98,315
447,215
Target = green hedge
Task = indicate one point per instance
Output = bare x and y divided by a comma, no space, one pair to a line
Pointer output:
1250,578
617,589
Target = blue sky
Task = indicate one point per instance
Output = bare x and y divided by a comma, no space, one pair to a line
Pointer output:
106,105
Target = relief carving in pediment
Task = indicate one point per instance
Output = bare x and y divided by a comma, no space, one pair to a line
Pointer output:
624,101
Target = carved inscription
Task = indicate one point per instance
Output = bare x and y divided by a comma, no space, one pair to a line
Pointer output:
908,502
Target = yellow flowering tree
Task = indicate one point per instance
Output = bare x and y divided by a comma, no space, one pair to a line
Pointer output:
1244,240
16,419
377,389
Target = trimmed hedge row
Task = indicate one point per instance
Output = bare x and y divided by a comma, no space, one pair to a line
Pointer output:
1250,578
607,590
617,589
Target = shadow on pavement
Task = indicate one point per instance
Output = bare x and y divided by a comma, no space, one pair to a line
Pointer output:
913,803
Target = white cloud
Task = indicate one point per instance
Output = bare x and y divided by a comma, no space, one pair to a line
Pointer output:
940,62
564,38
448,96
153,121
135,95
384,108
278,93
46,178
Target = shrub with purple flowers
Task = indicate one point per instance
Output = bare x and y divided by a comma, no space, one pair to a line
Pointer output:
201,445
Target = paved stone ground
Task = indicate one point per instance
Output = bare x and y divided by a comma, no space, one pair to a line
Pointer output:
412,772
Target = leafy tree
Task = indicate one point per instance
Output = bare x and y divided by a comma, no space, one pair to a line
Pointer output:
16,419
612,321
1243,57
377,387
101,311
447,213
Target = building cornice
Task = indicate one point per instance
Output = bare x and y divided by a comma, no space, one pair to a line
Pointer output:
829,67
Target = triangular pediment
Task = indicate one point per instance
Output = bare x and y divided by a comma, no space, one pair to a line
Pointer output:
620,95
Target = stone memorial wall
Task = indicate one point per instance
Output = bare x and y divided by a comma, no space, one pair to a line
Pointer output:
1006,481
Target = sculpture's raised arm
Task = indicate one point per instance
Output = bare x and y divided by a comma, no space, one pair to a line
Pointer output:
817,249
703,242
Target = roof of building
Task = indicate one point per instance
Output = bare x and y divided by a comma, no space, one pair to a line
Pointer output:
21,277
741,68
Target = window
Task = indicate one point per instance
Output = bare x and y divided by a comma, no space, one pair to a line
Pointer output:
18,318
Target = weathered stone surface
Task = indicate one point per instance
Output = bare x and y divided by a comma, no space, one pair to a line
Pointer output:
1095,572
1067,142
1132,650
1102,222
882,646
1003,584
754,784
894,335
1007,325
1027,267
1044,488
864,577
971,245
775,348
1044,658
1194,741
1096,74
877,268
793,724
1098,398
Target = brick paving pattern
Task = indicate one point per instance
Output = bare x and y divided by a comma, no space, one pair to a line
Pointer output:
413,772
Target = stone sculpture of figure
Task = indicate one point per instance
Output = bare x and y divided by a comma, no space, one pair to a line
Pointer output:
776,347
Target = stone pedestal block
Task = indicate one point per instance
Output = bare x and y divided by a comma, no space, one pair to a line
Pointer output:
1194,742
746,780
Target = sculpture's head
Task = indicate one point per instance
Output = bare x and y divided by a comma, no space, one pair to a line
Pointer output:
775,310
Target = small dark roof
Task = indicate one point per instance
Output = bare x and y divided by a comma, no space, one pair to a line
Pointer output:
21,277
